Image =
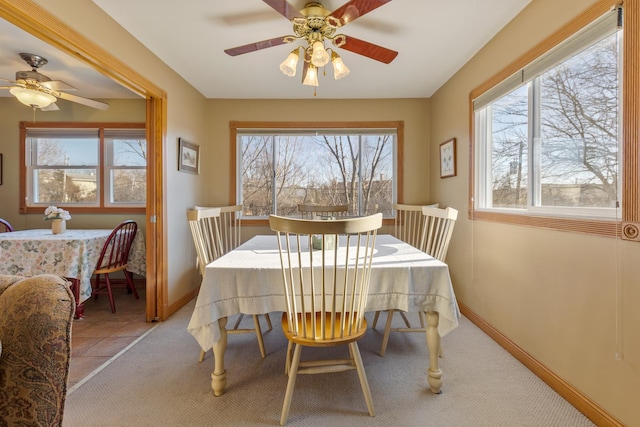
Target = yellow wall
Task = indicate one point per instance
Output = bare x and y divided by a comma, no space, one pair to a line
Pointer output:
569,300
186,118
12,113
554,294
413,112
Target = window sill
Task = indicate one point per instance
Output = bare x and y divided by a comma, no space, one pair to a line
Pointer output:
599,227
88,210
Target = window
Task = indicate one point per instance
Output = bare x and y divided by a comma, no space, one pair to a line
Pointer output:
280,166
85,166
548,139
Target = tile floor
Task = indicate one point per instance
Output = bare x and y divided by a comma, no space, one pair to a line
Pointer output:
101,334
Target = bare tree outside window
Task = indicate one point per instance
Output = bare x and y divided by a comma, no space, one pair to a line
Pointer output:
86,167
329,169
560,132
128,173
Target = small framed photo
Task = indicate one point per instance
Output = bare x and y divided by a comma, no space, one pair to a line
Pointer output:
188,156
448,158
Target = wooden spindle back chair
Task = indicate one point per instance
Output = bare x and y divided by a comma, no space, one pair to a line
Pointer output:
311,211
434,238
216,231
114,257
5,227
326,292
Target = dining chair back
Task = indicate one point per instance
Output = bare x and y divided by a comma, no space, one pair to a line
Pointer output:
114,257
408,226
312,211
205,230
216,231
434,237
437,230
230,227
5,227
409,223
325,292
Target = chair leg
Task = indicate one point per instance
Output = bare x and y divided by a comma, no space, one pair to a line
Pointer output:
375,319
111,301
266,316
287,362
130,284
256,322
201,357
353,346
404,317
238,320
96,286
387,332
293,373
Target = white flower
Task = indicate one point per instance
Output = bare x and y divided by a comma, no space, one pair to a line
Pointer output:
53,212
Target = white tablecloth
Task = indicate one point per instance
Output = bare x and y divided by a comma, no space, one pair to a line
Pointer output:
249,280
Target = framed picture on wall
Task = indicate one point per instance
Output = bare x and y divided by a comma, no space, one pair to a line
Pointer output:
448,158
188,156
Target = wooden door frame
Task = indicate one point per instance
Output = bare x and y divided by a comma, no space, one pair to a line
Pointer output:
41,24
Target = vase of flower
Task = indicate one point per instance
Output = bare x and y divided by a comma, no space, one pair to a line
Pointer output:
58,218
58,226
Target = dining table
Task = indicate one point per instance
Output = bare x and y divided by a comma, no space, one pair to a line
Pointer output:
248,280
72,254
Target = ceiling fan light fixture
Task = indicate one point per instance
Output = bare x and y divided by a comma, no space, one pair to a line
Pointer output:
319,55
311,78
32,98
288,66
339,69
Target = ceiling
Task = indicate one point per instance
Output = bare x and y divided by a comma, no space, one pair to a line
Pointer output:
60,66
434,40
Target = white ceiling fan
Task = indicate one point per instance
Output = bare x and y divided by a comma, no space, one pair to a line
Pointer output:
36,90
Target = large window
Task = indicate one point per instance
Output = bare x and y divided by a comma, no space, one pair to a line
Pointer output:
84,166
548,139
325,164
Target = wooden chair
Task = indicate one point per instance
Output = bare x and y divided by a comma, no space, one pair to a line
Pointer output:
311,211
437,230
409,223
5,227
216,231
317,314
407,226
113,258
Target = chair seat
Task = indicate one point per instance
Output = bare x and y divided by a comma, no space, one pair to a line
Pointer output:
327,340
107,269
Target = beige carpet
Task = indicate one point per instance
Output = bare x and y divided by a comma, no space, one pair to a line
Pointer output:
158,382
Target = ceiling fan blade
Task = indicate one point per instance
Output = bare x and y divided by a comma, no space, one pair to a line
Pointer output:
354,9
57,85
84,101
252,47
284,8
51,107
369,50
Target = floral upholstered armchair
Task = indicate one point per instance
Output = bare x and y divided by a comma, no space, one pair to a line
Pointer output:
35,347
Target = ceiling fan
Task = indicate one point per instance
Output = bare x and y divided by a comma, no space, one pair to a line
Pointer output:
38,91
315,24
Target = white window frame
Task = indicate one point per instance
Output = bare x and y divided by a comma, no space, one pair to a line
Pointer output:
482,198
102,169
239,129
